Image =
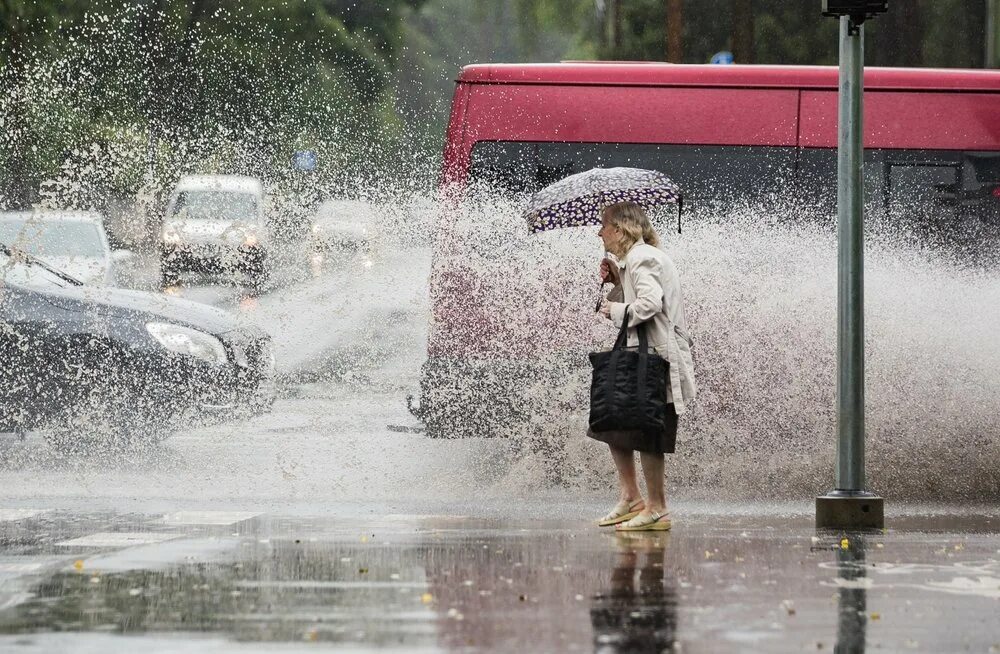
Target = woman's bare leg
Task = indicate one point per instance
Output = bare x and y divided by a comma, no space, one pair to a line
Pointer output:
653,471
625,463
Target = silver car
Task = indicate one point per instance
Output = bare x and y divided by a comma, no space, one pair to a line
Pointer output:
215,223
344,225
72,241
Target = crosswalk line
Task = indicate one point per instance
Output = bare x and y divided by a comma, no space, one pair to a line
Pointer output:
119,539
19,567
13,515
207,517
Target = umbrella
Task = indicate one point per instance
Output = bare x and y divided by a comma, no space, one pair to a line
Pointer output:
578,199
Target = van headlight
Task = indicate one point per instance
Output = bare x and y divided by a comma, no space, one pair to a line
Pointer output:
187,341
171,236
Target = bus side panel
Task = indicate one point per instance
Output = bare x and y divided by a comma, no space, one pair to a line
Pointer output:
455,165
908,120
616,114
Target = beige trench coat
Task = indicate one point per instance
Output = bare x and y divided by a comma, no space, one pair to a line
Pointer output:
651,289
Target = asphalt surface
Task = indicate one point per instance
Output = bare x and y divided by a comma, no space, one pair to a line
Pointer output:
721,581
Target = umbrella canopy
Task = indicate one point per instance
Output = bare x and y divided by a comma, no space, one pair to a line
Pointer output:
578,199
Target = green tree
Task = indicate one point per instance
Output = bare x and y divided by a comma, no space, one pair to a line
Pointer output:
27,27
231,84
914,33
442,36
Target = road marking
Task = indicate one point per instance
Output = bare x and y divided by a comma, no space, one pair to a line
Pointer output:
12,515
8,567
312,584
119,539
207,517
424,516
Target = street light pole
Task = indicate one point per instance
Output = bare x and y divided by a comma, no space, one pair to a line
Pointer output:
850,263
850,505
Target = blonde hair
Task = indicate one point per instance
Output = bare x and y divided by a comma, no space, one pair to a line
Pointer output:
633,223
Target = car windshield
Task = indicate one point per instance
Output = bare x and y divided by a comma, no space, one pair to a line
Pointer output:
341,211
216,205
53,238
18,268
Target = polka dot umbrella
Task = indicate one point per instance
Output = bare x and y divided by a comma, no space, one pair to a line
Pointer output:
578,199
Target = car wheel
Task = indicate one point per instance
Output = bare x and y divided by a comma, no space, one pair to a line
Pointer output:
169,274
104,414
259,279
255,271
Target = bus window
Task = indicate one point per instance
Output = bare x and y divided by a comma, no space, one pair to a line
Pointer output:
816,181
980,194
927,190
704,173
506,167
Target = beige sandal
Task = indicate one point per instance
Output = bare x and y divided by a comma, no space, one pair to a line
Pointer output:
650,522
624,510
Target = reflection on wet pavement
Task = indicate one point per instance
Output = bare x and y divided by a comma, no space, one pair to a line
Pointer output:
460,584
852,597
638,612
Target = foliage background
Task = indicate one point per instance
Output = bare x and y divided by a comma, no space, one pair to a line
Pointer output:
107,103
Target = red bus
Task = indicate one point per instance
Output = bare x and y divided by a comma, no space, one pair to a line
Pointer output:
932,138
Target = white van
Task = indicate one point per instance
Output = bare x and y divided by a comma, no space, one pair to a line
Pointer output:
216,223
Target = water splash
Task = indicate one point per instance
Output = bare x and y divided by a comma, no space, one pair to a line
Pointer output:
761,302
760,286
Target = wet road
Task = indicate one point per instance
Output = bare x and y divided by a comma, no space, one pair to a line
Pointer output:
348,342
195,580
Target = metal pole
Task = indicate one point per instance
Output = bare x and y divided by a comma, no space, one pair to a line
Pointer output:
850,505
850,264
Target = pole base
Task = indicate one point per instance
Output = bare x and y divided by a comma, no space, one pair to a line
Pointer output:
841,509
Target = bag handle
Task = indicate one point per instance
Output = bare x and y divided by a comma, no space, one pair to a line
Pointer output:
643,364
622,340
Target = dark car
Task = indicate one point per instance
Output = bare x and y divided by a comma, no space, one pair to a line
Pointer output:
84,363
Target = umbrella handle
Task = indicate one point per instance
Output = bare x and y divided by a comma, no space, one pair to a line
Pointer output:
600,289
680,210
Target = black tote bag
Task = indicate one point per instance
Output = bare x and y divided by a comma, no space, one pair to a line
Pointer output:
628,390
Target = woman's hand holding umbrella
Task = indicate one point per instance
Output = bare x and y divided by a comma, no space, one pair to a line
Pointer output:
609,272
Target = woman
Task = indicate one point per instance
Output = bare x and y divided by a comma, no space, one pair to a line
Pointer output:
647,286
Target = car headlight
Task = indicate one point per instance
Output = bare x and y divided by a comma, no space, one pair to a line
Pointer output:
250,239
240,354
187,341
171,236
